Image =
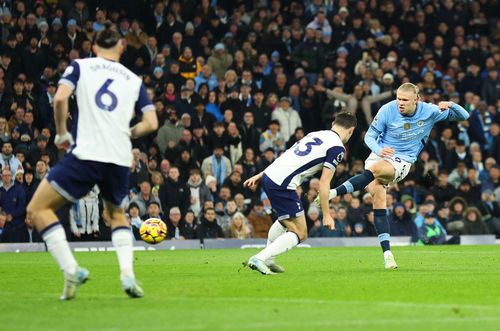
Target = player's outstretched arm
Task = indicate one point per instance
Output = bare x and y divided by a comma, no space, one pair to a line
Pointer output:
252,182
452,112
148,124
324,191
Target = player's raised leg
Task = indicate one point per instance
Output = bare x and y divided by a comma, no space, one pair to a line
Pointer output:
121,236
41,211
355,183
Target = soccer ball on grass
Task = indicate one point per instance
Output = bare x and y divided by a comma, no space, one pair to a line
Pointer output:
153,231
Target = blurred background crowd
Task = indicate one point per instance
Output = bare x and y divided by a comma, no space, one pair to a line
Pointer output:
235,83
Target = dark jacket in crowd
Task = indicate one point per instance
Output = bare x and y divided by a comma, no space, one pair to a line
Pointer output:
209,230
403,226
13,201
186,231
174,194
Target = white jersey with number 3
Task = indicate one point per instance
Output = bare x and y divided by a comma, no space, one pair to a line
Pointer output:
307,157
107,93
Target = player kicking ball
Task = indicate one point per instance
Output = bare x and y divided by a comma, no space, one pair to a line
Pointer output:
107,95
318,151
396,137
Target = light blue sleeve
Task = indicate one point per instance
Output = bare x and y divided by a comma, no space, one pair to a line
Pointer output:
454,113
377,128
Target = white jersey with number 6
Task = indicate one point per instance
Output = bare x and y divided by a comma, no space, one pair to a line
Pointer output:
107,93
307,157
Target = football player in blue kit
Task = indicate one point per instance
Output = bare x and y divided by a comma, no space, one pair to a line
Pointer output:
396,137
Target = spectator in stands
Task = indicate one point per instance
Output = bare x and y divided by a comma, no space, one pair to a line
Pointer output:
217,165
12,199
206,76
174,193
190,225
8,159
272,138
144,198
135,219
474,225
288,118
84,216
154,211
456,223
175,225
208,228
29,185
490,91
199,193
259,220
401,223
458,174
430,233
249,133
443,190
239,227
220,61
5,228
185,163
492,181
234,183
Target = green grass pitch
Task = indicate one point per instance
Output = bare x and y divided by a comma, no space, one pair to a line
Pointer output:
435,288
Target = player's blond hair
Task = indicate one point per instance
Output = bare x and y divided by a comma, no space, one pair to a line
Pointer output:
409,87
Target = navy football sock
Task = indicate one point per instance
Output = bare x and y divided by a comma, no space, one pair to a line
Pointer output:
382,228
356,183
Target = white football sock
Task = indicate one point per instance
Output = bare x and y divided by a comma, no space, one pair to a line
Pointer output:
58,247
122,241
276,230
282,244
387,253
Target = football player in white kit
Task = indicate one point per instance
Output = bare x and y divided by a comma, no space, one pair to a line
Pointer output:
318,151
100,152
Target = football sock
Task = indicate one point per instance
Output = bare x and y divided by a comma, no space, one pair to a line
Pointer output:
55,238
382,227
355,183
276,230
282,244
122,241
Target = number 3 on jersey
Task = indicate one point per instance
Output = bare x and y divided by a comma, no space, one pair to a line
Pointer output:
105,99
316,142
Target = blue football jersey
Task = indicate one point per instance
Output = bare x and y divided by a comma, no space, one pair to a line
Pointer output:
407,135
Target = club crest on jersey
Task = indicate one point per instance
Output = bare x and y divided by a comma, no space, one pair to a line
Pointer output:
420,123
406,126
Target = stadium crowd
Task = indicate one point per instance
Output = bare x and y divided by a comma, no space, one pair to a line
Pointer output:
237,82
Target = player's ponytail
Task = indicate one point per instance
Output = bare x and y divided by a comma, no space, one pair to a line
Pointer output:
107,37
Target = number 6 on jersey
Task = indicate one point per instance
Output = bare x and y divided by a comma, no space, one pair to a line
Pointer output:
103,96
